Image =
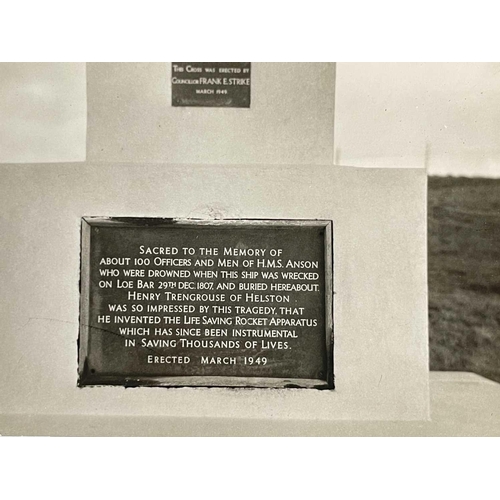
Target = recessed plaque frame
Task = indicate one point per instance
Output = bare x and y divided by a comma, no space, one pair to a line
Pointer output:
308,364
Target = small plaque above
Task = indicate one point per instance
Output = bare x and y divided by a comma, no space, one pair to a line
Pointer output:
211,84
176,302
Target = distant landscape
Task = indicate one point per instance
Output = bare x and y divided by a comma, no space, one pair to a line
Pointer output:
464,275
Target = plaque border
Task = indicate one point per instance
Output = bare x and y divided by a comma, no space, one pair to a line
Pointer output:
194,104
87,379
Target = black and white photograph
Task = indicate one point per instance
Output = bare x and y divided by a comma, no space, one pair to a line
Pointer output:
216,250
239,245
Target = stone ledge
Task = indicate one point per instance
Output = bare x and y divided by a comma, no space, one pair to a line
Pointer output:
462,404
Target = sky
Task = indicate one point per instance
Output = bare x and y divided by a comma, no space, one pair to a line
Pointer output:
443,116
43,112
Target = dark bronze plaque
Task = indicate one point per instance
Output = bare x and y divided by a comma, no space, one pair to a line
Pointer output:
176,302
211,84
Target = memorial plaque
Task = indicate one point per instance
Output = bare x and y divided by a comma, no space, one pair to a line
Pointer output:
211,84
176,302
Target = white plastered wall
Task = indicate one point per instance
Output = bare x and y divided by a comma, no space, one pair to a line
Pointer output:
262,162
290,120
380,305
